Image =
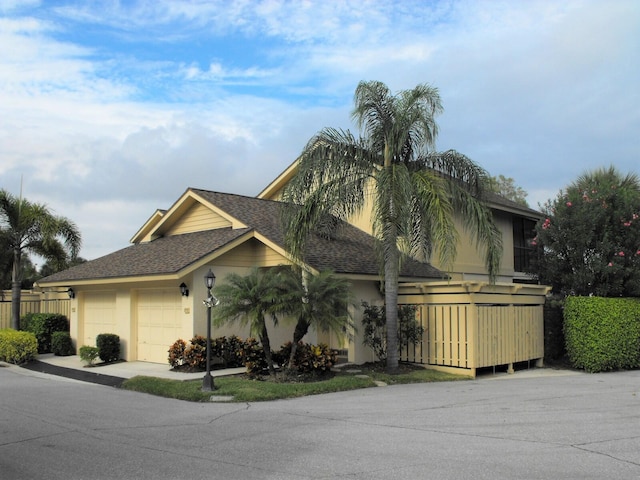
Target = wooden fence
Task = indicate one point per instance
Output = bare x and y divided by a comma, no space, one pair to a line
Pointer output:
472,325
32,302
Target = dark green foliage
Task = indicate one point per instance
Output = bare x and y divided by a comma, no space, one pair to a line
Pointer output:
61,344
589,241
375,328
308,358
554,344
17,347
43,325
108,347
602,333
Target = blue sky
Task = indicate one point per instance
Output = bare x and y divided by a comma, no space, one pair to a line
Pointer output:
111,109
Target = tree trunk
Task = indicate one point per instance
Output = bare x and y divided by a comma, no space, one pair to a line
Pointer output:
300,331
391,273
266,347
16,289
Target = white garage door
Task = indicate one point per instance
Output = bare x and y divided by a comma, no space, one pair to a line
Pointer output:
159,323
99,316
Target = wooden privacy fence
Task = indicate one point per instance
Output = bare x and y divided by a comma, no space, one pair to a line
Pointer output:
33,302
471,325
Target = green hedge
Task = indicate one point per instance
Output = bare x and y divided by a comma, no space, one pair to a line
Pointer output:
108,347
43,325
17,347
602,333
61,344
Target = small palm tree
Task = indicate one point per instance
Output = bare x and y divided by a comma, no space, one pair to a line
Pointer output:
249,300
320,301
31,227
415,192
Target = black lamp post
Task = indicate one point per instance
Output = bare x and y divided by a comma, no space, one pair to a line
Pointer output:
209,281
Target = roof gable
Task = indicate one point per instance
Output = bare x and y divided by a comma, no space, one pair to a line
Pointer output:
190,213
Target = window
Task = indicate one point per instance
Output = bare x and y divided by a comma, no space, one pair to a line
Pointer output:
523,233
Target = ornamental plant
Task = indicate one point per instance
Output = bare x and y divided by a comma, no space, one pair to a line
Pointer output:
589,241
375,328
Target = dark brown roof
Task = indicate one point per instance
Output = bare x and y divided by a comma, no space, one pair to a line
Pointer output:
351,251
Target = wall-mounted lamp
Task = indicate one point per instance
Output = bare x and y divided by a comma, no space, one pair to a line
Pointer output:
184,290
71,293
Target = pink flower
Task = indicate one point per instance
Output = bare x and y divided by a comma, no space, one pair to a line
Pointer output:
621,254
627,224
610,264
569,204
638,252
634,216
546,224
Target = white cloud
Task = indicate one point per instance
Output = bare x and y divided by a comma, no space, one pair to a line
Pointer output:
110,129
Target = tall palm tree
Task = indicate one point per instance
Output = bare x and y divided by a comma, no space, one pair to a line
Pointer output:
32,227
415,192
320,301
249,299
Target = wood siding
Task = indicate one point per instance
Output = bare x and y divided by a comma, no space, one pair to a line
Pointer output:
197,219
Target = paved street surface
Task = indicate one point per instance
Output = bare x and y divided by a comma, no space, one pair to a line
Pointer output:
531,425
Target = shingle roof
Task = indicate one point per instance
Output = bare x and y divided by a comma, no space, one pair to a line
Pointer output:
350,252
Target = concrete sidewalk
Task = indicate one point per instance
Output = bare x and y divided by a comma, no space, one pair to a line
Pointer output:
120,370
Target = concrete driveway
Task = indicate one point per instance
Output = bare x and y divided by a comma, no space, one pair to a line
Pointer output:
531,425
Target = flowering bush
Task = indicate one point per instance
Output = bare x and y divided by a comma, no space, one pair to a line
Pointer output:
589,241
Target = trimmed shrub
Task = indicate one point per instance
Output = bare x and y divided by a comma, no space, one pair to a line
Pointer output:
309,358
602,333
88,354
17,347
43,325
61,344
108,347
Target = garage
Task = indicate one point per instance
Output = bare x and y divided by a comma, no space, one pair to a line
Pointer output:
159,323
99,315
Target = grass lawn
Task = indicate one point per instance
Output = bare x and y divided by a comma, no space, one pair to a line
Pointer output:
243,389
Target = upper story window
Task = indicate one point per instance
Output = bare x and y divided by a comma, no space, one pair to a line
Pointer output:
523,233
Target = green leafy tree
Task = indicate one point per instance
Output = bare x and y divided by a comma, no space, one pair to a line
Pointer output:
506,187
249,300
31,227
416,192
57,265
320,301
589,241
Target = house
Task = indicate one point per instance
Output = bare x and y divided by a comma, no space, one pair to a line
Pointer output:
135,292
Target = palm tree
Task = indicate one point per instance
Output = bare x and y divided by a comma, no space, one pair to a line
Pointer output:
320,301
31,227
249,299
415,192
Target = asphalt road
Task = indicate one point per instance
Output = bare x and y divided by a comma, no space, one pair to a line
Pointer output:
525,426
